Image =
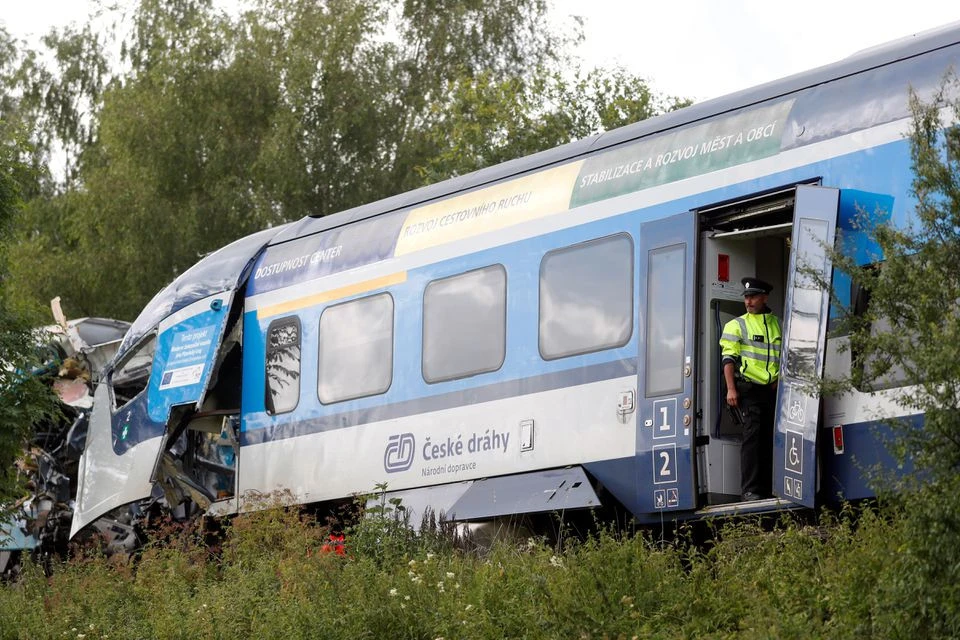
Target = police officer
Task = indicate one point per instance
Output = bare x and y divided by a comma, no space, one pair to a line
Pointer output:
751,369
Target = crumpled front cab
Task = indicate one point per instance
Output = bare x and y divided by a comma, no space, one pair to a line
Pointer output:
162,372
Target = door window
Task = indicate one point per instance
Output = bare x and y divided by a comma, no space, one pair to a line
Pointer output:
665,320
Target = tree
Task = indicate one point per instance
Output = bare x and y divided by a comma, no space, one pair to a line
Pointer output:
165,174
908,333
490,121
907,323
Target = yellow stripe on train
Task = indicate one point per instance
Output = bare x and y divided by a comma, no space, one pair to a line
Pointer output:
332,294
527,198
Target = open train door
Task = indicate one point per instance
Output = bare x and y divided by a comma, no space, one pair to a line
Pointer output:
806,309
125,437
666,429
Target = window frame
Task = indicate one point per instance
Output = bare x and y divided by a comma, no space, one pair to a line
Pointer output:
896,378
393,346
423,330
631,315
151,336
285,320
648,328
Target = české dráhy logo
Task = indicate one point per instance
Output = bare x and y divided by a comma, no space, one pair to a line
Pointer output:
398,455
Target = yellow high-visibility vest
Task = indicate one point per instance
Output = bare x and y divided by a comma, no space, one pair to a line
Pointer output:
752,343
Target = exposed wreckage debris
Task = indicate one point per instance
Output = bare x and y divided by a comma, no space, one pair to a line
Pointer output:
75,352
181,474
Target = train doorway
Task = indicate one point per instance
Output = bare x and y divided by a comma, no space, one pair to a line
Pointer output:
766,236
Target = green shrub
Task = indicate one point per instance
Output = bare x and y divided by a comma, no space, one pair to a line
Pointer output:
886,572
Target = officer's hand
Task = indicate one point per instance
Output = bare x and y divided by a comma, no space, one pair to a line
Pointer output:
732,397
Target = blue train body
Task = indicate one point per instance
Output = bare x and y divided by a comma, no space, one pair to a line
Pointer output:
537,336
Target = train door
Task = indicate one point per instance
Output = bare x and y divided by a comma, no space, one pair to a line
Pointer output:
666,405
804,337
196,464
749,237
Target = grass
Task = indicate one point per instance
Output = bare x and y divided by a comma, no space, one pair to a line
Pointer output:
275,574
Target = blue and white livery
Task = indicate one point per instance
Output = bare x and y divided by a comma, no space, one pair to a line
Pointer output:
537,336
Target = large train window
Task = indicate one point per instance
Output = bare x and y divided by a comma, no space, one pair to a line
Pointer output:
876,370
586,297
283,365
665,320
356,349
465,324
132,375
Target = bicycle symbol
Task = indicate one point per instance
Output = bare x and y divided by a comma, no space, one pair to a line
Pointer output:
796,404
795,413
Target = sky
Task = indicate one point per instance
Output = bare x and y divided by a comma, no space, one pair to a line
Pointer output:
695,49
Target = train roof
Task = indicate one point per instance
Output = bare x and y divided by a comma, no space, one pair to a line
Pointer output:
858,62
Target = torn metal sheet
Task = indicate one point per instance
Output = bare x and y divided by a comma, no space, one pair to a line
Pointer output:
158,374
222,271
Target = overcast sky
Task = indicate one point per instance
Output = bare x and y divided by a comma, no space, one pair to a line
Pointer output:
692,48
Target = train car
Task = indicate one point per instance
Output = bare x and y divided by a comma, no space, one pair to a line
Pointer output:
537,336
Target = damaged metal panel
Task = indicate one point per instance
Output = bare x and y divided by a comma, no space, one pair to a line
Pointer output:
536,492
107,479
144,436
221,271
13,536
124,444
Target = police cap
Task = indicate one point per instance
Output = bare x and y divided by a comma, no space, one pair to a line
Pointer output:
753,286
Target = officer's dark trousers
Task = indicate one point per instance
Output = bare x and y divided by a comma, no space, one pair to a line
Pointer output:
757,403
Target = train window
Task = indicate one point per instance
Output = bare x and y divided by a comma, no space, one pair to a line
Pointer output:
894,370
132,375
806,298
586,297
356,349
465,324
665,320
283,365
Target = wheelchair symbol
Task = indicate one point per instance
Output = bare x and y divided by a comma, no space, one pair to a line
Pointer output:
793,454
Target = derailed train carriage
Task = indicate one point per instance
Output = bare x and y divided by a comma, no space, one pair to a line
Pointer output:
538,336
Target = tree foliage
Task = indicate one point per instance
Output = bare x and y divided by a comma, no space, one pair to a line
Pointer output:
905,332
25,399
219,124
